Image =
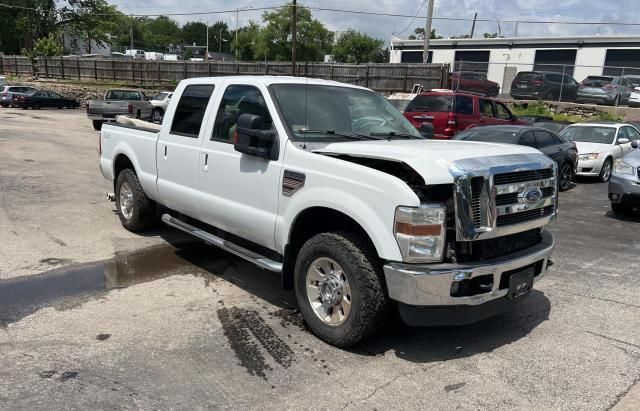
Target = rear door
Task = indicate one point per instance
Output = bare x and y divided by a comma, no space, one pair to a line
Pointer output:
178,150
463,108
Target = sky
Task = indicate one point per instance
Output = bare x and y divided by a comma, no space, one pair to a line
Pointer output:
384,27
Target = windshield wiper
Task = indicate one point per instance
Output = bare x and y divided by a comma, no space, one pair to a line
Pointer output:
353,136
394,134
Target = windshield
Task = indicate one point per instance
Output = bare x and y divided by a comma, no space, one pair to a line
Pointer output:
326,112
600,135
432,103
593,81
490,135
401,105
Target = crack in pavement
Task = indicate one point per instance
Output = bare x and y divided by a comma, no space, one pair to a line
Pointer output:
387,383
613,339
599,298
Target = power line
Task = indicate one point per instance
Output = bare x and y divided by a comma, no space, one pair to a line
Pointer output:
362,12
413,19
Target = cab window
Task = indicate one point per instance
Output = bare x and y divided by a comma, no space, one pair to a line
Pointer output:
189,113
486,108
237,100
502,111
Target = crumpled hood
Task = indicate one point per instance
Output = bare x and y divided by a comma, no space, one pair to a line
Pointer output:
432,158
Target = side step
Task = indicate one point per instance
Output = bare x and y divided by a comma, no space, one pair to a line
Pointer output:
259,260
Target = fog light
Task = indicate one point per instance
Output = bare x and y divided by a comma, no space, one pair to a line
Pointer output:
615,197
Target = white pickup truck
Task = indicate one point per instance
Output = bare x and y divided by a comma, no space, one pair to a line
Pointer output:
331,186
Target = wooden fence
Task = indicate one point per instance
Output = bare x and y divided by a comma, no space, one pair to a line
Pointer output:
385,78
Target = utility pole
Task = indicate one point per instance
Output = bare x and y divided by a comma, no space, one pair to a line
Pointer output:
473,26
427,31
294,29
236,47
131,34
207,23
220,45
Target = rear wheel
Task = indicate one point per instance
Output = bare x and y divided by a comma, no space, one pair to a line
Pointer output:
565,175
605,172
339,287
97,125
135,209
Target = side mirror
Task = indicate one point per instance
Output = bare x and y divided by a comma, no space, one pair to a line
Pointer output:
635,143
253,141
623,140
426,130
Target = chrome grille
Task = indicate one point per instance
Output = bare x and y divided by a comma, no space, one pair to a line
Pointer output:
503,195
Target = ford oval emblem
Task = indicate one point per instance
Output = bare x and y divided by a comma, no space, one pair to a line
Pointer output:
532,195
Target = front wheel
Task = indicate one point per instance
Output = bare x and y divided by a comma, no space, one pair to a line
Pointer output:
605,172
340,288
566,174
135,209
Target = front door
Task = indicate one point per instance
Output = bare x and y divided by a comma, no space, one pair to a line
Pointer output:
239,192
178,150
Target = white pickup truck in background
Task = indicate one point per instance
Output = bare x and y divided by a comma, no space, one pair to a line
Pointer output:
331,186
116,102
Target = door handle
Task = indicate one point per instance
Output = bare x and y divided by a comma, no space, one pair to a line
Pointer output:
164,157
205,162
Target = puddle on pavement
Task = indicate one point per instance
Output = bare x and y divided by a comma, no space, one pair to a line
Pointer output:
64,287
70,286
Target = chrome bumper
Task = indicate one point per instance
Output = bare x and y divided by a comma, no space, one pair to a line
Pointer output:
430,285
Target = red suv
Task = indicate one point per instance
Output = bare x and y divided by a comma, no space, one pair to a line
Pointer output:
451,112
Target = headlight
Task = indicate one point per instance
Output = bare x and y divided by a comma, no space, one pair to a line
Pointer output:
620,167
420,232
591,156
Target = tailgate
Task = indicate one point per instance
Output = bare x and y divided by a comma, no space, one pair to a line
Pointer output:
108,107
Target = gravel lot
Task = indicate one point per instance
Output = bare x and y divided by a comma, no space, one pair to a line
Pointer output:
93,316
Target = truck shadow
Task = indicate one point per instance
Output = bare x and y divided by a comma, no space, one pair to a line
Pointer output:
420,345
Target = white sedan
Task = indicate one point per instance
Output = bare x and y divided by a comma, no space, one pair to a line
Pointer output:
599,145
160,102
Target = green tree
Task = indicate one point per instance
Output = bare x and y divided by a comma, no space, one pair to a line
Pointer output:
22,27
160,33
355,47
247,38
93,21
418,34
214,37
195,32
314,40
45,47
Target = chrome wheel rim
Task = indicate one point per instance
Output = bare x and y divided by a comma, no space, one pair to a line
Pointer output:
606,171
328,291
126,200
566,177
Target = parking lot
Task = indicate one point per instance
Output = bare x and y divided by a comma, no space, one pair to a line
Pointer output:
92,316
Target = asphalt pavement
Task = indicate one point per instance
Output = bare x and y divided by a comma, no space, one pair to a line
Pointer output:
92,316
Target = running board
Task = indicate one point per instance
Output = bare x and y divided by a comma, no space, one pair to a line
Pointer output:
259,260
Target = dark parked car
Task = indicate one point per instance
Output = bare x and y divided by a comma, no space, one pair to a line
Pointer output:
564,153
540,85
473,82
7,93
611,90
40,98
450,112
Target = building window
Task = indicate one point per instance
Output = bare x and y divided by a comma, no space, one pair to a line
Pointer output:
555,61
414,57
620,62
477,61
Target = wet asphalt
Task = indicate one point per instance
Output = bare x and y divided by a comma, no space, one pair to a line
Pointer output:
166,322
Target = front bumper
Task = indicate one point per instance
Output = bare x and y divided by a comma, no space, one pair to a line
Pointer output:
431,285
589,168
624,189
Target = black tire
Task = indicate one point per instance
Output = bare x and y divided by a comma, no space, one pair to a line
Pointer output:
97,125
621,209
550,96
605,172
565,175
5,105
363,270
143,209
